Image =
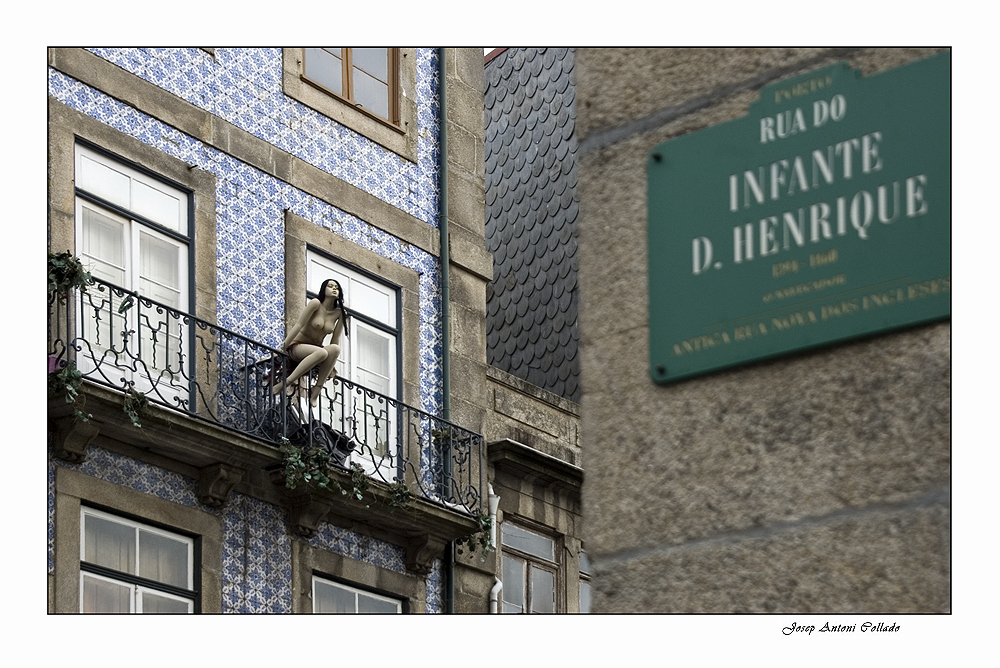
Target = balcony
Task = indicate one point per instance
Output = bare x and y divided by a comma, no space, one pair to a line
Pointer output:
214,384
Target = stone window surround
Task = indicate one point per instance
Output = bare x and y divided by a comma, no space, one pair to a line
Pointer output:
308,561
65,127
401,140
301,234
73,489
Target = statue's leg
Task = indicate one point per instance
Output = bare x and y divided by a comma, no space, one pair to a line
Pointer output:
312,355
326,369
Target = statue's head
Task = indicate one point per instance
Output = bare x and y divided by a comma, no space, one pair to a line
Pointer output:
339,298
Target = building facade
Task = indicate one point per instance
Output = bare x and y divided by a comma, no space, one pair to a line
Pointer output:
813,482
532,335
207,191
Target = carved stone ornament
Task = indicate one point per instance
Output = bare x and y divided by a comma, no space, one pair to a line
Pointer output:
305,515
215,482
421,551
70,435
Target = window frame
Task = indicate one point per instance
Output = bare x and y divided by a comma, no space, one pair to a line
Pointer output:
555,567
133,226
347,92
399,137
347,364
392,329
135,581
356,590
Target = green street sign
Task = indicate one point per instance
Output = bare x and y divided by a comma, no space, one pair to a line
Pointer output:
823,215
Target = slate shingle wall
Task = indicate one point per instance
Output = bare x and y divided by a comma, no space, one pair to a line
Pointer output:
531,213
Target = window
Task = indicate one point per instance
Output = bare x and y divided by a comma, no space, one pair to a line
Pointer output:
368,355
132,231
322,89
333,597
367,78
584,582
529,571
128,567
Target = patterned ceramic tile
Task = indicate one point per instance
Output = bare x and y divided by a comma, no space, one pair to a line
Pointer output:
363,548
244,87
256,557
435,588
250,233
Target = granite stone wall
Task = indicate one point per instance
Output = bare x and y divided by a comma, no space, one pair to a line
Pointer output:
816,482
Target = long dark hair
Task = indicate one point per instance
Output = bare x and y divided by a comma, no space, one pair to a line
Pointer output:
338,302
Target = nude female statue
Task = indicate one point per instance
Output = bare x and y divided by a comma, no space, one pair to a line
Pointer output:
304,342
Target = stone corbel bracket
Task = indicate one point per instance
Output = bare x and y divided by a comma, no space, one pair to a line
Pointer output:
306,514
71,435
421,551
216,482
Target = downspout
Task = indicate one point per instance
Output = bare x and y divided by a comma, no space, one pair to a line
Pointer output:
497,583
449,551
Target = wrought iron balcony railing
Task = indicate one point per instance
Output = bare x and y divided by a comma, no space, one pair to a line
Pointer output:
125,341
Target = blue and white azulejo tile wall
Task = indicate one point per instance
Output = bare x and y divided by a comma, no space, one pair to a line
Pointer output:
243,87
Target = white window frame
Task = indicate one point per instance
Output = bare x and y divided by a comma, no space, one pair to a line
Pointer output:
121,208
132,581
326,582
385,312
530,562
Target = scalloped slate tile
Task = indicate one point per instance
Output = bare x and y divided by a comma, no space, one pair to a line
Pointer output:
531,213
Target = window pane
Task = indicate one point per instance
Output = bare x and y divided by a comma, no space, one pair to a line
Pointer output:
513,584
109,544
542,590
159,604
163,559
373,355
103,181
584,597
373,61
103,244
159,269
157,205
331,598
373,605
528,541
584,563
101,595
325,68
371,301
371,93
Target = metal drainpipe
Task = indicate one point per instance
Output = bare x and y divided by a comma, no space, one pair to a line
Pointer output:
449,551
497,590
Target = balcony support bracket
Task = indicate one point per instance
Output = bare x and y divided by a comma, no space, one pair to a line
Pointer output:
70,435
421,551
306,514
215,482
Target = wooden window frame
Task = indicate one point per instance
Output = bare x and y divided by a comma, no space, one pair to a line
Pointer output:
347,76
400,136
554,566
